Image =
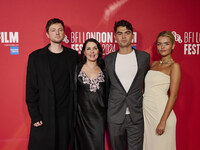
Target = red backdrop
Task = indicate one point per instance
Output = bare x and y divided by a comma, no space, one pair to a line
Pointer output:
22,30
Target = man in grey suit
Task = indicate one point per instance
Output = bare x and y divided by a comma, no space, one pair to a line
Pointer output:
126,70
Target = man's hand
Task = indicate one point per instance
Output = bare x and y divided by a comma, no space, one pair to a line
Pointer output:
38,124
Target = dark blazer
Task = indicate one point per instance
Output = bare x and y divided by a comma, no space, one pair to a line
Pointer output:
40,97
119,99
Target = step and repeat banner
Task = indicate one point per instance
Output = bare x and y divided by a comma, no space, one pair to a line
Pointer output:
22,30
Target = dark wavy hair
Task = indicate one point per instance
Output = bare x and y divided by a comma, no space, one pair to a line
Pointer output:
100,61
54,21
123,23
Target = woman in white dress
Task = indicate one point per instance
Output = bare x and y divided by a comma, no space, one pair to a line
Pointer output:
161,90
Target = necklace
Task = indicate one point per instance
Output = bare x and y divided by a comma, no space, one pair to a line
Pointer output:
171,61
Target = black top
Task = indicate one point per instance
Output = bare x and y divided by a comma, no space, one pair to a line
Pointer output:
91,112
60,78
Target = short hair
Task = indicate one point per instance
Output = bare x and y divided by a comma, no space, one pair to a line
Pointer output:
166,34
123,23
54,21
100,61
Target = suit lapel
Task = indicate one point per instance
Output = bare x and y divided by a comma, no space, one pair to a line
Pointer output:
134,80
46,68
138,64
113,67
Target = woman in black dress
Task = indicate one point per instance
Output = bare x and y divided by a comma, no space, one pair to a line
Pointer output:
91,98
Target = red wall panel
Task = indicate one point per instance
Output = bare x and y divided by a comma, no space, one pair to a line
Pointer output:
148,18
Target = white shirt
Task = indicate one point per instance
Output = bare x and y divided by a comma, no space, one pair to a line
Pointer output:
126,68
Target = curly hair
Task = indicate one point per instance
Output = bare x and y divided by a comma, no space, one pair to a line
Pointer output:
123,23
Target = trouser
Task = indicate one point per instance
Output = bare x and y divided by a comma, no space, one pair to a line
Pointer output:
128,134
62,133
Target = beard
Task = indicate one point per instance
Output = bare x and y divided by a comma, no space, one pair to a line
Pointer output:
124,45
57,41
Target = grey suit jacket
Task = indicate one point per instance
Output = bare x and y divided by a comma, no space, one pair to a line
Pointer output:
119,99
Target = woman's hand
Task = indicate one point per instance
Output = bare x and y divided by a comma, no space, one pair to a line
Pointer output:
161,128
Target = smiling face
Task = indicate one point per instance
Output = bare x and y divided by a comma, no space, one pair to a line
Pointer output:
56,33
91,51
164,46
123,36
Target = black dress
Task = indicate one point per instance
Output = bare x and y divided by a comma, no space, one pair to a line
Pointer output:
91,112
